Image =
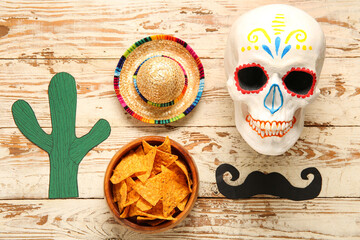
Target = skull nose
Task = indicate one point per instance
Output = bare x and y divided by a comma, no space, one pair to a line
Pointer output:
274,99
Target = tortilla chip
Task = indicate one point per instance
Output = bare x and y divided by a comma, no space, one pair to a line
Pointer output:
151,189
173,212
182,173
162,159
125,213
157,209
133,210
156,212
116,192
132,197
123,195
143,205
147,147
151,184
165,146
141,219
130,182
155,216
120,193
141,213
128,166
148,162
173,193
139,151
182,204
181,164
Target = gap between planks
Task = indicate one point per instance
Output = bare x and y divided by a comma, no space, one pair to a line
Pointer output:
199,198
117,58
202,126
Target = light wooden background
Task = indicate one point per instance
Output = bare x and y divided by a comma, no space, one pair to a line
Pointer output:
86,39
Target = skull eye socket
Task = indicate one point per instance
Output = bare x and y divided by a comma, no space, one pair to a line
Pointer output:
300,82
250,78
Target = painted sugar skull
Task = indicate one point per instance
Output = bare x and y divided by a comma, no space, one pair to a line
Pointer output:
273,60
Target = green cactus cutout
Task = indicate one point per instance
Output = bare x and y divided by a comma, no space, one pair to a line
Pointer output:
65,150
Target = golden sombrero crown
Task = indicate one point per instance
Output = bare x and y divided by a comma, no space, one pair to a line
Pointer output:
160,81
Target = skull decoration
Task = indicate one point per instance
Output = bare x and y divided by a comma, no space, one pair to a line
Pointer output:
273,61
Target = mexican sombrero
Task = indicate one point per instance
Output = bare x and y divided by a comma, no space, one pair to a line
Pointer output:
159,79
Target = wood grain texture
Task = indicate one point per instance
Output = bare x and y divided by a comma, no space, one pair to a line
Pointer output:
94,29
334,151
86,38
213,218
339,87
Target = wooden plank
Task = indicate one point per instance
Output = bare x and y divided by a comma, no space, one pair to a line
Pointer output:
86,38
24,168
210,218
97,29
338,103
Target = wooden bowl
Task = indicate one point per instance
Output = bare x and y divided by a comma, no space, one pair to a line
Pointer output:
176,149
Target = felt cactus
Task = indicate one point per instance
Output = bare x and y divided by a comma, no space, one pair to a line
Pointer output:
65,150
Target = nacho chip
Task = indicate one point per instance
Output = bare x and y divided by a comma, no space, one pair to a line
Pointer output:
148,162
156,212
139,151
141,219
157,209
123,195
125,213
143,205
120,193
147,147
151,189
173,193
162,159
133,210
181,164
130,182
155,216
173,212
182,204
128,166
179,168
165,146
151,184
132,197
116,192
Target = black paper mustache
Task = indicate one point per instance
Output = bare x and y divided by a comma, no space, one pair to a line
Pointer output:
273,184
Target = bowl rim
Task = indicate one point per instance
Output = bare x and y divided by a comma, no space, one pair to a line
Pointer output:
108,185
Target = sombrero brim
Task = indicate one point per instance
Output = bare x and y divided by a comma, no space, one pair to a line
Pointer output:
154,46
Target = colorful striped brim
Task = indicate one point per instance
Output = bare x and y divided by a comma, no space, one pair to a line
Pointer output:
144,51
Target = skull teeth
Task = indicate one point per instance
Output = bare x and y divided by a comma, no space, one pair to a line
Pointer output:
269,129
